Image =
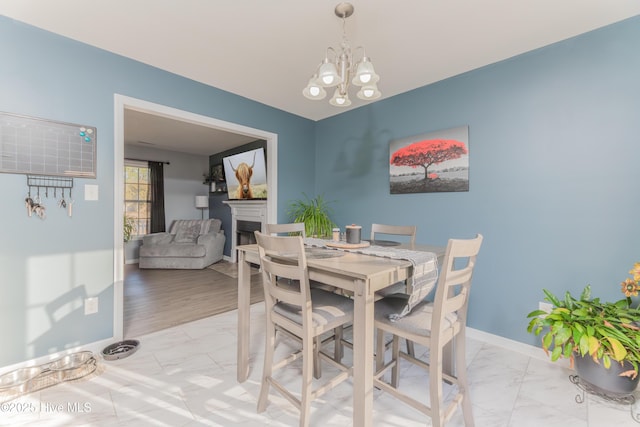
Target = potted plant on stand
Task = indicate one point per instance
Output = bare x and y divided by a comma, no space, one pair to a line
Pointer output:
601,339
315,215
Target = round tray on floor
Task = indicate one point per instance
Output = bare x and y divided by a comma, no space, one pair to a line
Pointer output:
120,350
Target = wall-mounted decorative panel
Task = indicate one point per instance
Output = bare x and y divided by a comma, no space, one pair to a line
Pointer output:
31,145
430,163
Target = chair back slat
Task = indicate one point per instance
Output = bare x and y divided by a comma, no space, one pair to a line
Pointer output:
291,229
283,283
396,230
455,303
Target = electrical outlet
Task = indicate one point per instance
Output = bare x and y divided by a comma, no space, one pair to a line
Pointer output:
545,306
91,305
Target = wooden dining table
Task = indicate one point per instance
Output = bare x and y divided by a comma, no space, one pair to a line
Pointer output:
360,274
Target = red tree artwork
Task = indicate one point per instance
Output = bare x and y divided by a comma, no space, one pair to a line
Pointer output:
428,152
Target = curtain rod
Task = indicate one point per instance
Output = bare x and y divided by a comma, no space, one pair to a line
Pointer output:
144,160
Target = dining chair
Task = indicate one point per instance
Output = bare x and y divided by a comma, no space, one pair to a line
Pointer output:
399,288
395,230
298,229
292,305
434,325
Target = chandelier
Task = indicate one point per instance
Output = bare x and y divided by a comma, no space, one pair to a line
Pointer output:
338,67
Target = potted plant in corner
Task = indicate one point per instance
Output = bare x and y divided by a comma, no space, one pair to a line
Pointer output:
127,230
129,246
315,215
601,339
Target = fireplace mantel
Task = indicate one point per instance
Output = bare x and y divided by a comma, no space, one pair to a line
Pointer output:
245,210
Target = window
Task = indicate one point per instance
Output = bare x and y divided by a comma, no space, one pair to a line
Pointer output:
137,204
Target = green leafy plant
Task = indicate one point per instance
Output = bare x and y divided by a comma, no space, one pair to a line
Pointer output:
606,331
315,215
128,228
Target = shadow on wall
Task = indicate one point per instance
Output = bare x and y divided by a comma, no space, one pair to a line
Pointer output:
358,155
68,321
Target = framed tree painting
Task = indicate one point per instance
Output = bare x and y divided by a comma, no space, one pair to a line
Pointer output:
434,162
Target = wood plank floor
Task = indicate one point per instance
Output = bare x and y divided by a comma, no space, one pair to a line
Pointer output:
159,299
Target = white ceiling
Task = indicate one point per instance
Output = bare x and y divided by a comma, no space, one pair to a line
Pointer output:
267,50
159,132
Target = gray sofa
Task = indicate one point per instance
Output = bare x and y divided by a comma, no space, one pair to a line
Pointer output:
189,244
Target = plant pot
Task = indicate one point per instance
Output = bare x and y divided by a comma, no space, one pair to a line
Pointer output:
607,381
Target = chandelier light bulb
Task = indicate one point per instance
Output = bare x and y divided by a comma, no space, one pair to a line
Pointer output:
313,90
340,99
369,93
365,74
328,74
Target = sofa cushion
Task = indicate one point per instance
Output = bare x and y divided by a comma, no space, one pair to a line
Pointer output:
180,250
211,225
157,239
188,233
214,225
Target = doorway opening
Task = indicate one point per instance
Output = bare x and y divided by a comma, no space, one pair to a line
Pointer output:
122,103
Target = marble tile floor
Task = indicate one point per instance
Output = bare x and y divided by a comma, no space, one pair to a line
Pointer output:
186,376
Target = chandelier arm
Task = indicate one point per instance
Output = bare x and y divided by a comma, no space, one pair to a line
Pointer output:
335,54
355,51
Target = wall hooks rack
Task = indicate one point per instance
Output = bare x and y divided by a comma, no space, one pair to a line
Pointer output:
33,202
47,182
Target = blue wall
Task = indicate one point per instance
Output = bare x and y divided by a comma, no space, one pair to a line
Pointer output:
553,143
553,139
60,260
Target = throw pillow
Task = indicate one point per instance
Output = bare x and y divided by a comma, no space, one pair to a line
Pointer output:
188,234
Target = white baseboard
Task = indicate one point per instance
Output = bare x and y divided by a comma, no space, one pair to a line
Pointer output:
526,349
95,347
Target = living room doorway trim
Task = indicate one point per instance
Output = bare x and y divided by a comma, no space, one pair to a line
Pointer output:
122,103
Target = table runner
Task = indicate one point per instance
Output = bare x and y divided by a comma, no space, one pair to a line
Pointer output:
425,269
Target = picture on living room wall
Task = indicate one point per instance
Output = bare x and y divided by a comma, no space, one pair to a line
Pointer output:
434,162
246,175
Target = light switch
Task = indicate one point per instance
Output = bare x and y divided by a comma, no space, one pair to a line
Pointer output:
90,192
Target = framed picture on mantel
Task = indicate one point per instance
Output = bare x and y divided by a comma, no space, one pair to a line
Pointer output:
217,173
433,162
